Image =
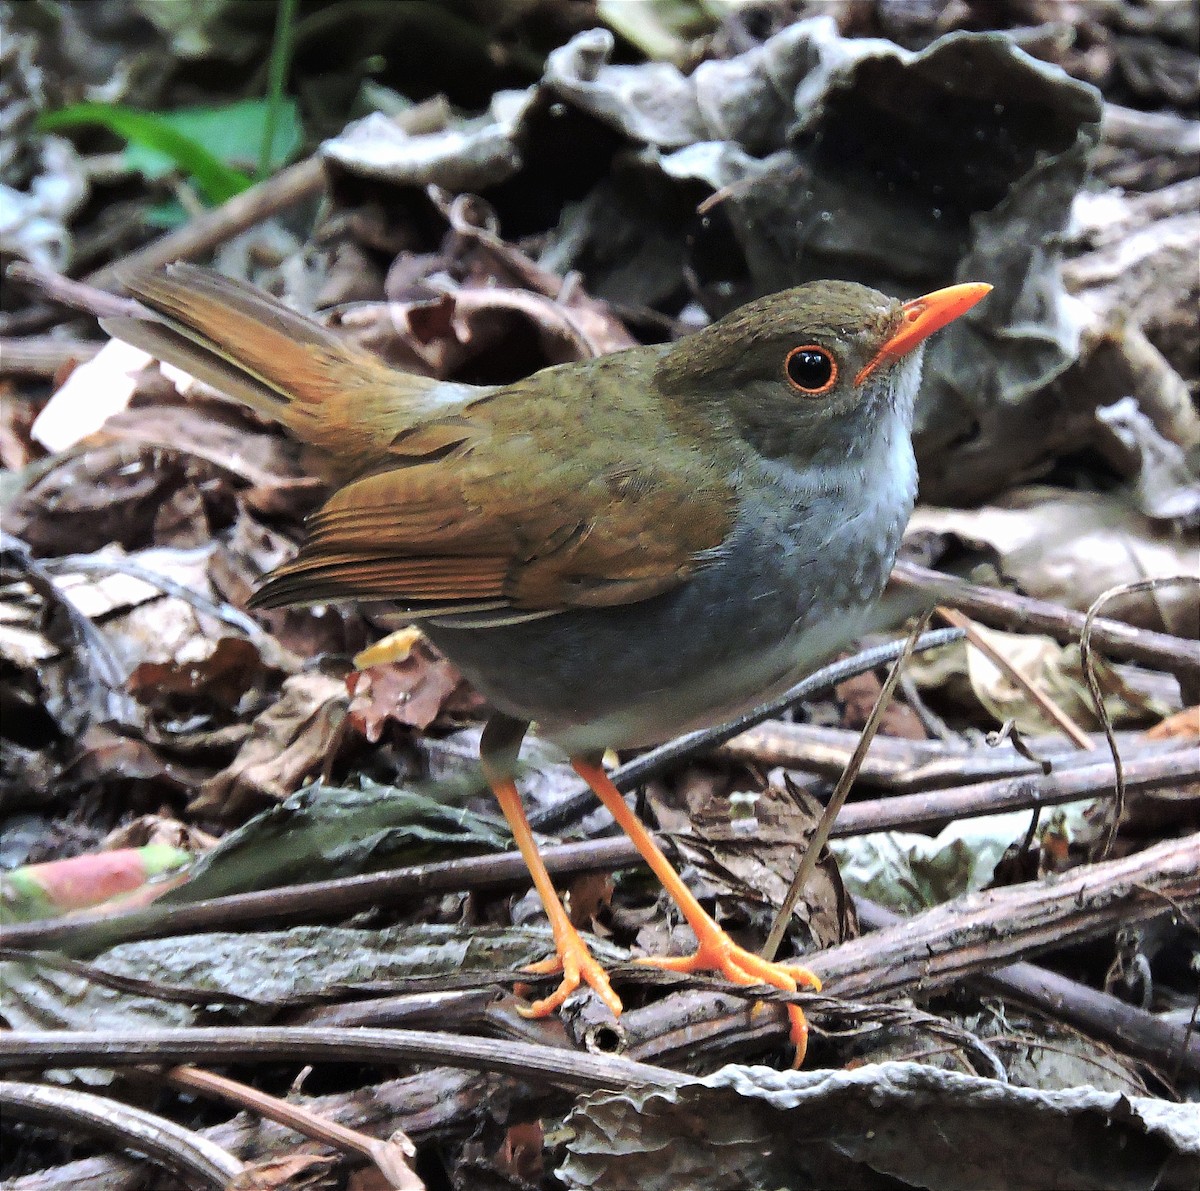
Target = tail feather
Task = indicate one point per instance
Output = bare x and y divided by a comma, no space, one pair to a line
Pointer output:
327,392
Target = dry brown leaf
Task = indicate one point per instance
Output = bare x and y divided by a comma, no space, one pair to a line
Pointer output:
750,857
16,419
1183,725
858,696
108,756
159,829
413,691
1070,547
223,436
118,492
286,1172
99,596
219,680
963,674
368,1178
289,742
586,896
521,1153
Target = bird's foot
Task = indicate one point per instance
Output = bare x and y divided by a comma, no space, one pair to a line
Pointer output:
578,966
719,953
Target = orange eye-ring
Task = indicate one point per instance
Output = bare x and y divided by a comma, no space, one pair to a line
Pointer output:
810,370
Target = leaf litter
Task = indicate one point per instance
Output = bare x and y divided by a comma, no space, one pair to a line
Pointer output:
1057,462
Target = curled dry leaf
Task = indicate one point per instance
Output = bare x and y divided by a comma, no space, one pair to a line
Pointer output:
924,197
413,691
281,1173
858,695
117,492
746,850
520,1155
290,742
104,756
218,681
1166,486
964,675
486,330
586,896
221,435
159,829
1184,725
1071,547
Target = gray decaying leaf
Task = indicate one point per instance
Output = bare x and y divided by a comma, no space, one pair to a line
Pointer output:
321,832
1167,487
34,218
268,970
753,1127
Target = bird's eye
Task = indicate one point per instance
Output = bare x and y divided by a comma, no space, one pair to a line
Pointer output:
810,370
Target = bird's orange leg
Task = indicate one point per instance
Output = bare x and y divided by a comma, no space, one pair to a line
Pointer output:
572,956
717,951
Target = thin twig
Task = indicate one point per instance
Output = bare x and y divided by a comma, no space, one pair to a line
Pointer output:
906,766
931,950
930,810
167,1143
43,355
1008,731
935,727
556,1066
390,1156
91,564
347,895
78,295
206,232
970,935
1009,610
1145,1036
824,829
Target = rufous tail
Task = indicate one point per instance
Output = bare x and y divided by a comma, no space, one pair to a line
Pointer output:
327,392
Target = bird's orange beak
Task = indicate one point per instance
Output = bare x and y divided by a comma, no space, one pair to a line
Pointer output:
921,317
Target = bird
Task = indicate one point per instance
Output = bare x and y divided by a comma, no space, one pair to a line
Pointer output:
618,549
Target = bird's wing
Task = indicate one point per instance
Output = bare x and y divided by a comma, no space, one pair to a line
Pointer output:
531,499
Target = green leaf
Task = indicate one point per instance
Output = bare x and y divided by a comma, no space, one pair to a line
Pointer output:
205,143
216,180
234,132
